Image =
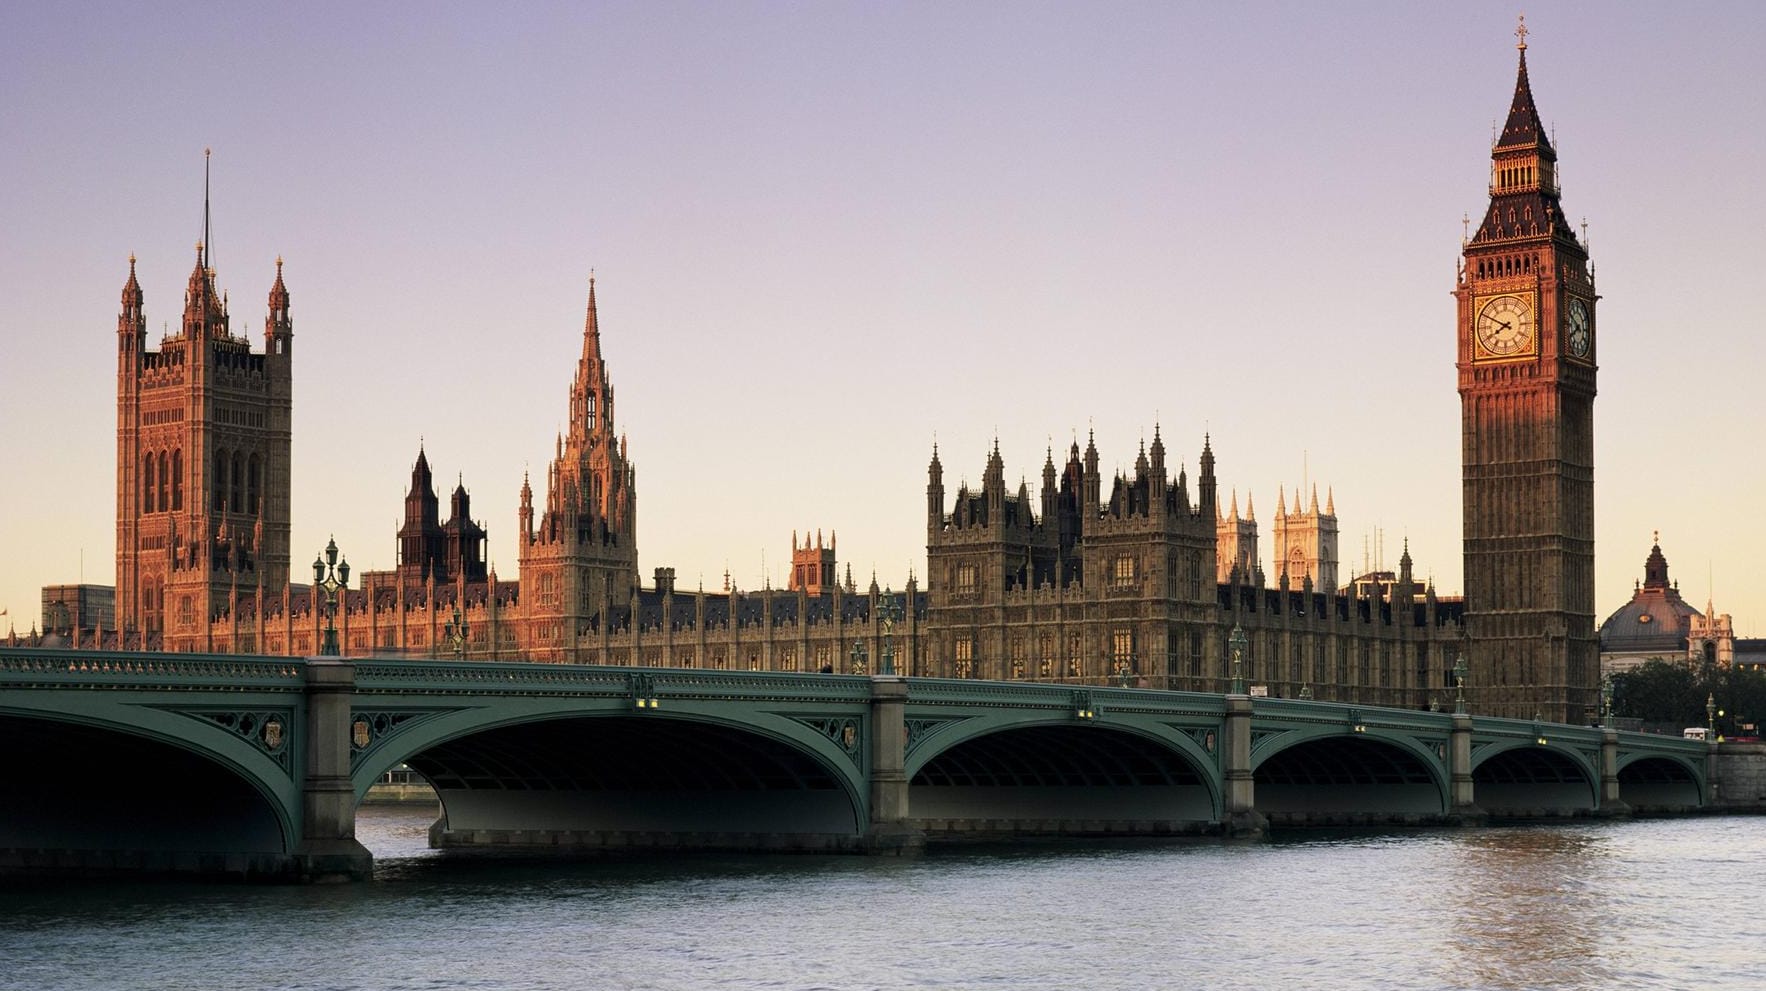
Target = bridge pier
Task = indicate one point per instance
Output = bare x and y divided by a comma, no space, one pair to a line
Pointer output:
328,850
1241,818
1462,805
1610,805
889,831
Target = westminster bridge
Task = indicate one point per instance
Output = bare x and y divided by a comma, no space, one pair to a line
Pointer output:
250,766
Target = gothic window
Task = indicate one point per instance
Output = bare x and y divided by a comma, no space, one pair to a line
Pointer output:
966,579
1075,660
686,657
1122,572
965,666
177,479
218,482
718,662
788,659
186,611
147,484
590,423
1195,653
1045,655
754,660
252,481
1122,653
824,658
1018,655
237,484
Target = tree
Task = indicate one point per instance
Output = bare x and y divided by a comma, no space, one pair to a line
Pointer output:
1659,692
1674,694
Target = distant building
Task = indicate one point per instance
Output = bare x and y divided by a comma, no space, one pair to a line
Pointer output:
1657,624
78,609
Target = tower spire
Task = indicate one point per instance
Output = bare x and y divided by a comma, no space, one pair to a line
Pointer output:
208,241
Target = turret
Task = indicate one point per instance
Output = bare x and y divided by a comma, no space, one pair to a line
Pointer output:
1092,481
934,493
278,325
1205,498
131,321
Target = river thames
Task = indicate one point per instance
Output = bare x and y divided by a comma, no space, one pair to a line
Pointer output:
1651,904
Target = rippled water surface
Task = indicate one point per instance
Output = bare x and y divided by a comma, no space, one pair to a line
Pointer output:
1660,904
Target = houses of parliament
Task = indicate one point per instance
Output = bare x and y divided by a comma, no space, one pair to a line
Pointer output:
1141,578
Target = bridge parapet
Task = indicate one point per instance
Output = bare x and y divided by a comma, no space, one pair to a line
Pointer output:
36,667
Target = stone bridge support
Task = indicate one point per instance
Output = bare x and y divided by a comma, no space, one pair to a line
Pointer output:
888,830
1461,801
1241,817
1610,805
328,849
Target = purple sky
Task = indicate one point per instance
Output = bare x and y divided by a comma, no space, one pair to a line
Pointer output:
826,234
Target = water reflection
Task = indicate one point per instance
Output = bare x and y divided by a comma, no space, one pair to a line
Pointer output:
1528,907
1585,906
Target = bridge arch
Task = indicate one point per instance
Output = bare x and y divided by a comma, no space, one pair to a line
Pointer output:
139,788
1659,783
1336,775
602,775
1043,773
1523,778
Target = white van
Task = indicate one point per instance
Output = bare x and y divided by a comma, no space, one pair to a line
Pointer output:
1695,733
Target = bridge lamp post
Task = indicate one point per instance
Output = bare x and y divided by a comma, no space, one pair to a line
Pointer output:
1459,686
859,656
457,630
1711,716
1606,700
330,575
892,612
1238,643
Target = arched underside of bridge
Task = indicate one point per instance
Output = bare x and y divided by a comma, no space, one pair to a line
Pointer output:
1059,781
615,782
1532,782
1657,784
1346,780
83,799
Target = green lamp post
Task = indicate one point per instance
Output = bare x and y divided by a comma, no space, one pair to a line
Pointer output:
330,575
1238,643
457,630
1459,686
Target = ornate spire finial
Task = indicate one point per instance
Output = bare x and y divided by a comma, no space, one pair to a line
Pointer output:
1521,34
278,264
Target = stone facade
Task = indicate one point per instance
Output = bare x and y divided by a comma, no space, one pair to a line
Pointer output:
1527,346
203,433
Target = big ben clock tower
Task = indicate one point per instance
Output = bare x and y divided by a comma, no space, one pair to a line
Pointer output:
1527,345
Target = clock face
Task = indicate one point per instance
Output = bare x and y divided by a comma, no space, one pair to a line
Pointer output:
1505,326
1579,334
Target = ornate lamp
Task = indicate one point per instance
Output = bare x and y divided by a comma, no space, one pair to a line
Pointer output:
1711,716
859,656
330,575
456,630
1238,643
1459,686
888,611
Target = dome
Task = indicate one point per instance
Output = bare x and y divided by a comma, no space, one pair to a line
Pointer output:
1656,618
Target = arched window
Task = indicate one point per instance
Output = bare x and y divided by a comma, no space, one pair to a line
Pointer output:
165,484
217,483
147,484
252,486
178,479
237,488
